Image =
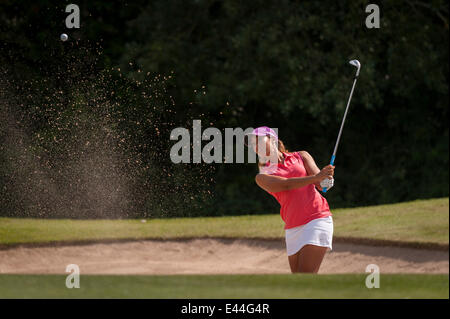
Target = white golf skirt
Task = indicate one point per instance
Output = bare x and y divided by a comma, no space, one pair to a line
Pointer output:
318,232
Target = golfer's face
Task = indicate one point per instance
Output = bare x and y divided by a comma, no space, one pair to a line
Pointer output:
260,144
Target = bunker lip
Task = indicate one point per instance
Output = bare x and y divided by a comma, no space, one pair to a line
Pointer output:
211,256
336,239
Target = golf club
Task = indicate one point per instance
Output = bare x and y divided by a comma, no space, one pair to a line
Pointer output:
356,64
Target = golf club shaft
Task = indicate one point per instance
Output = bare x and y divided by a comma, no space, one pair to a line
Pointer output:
342,126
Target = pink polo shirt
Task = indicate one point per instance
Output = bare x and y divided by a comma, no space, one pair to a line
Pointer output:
299,205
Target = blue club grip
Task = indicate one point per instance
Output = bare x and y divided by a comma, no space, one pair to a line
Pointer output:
331,163
332,159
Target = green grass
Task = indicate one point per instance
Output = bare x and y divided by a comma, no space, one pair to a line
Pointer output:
225,286
416,221
421,221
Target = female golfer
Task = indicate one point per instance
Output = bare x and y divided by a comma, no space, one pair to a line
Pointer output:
292,178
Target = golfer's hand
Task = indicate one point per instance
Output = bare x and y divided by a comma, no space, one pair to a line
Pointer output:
328,183
326,172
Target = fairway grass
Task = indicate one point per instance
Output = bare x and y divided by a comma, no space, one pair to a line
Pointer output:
226,286
420,221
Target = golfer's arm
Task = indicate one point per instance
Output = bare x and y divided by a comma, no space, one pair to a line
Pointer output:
275,184
310,166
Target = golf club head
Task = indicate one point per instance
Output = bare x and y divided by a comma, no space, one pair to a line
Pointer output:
357,64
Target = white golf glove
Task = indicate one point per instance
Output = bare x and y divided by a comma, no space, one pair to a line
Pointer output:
328,183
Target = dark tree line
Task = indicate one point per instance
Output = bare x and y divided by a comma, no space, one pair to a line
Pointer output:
233,63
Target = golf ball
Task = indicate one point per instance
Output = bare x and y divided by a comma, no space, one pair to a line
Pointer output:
63,37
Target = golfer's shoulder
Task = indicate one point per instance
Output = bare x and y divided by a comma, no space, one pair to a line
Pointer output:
303,154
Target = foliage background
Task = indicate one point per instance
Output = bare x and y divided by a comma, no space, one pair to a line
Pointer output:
238,64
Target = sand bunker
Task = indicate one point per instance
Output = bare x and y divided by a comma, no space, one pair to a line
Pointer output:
211,256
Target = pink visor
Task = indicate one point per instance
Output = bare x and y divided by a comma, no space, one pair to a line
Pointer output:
261,131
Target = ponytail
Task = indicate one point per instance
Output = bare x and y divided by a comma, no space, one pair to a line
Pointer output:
281,147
